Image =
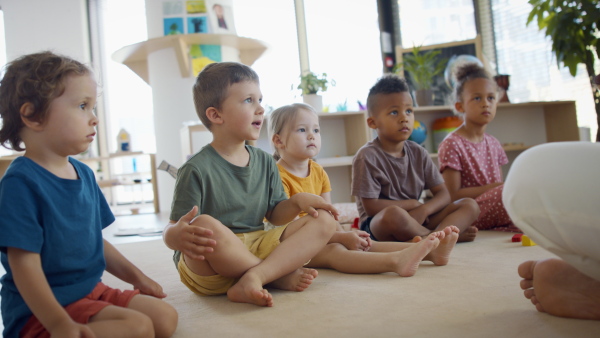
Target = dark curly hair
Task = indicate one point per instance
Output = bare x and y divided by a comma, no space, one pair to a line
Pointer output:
212,84
387,84
464,74
37,79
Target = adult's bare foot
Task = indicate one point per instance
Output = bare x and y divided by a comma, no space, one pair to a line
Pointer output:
468,235
249,289
298,280
408,260
559,289
441,254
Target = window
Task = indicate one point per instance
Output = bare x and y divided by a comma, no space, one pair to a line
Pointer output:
430,22
526,55
127,97
273,22
349,52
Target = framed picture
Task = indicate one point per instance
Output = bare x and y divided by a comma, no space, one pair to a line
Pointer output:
220,14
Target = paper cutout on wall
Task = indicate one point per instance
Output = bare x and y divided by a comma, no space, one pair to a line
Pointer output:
173,26
203,55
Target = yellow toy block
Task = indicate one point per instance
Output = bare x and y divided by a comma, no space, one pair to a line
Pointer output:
526,241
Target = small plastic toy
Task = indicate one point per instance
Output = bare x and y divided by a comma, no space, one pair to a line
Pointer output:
517,237
355,223
526,241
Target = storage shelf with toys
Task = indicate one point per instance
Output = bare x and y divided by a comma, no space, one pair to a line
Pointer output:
518,126
130,184
343,133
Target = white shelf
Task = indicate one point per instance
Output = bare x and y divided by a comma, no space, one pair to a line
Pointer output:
135,56
330,162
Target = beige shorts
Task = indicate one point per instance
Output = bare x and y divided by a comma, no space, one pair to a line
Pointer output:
260,243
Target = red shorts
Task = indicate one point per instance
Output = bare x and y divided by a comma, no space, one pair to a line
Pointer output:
82,310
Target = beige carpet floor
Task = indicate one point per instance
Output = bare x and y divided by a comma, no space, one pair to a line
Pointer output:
476,295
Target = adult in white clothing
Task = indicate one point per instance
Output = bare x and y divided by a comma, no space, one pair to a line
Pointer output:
552,193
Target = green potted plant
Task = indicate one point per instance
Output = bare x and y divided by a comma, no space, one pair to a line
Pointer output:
311,84
573,27
421,67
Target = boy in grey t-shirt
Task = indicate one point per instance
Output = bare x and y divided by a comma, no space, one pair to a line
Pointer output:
390,173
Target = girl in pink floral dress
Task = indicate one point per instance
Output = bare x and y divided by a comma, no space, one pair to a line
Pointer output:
470,160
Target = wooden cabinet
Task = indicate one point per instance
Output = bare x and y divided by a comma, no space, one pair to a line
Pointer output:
517,126
129,184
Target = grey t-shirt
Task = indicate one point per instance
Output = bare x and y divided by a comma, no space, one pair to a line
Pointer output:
377,174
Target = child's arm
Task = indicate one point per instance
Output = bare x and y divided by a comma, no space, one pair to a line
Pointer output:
373,205
440,199
120,267
286,210
33,286
453,178
191,240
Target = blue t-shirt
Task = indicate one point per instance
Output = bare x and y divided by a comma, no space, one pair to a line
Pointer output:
60,219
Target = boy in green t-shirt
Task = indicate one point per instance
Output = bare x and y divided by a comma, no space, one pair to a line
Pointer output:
235,186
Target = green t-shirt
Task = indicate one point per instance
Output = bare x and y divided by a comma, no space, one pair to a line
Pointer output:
239,197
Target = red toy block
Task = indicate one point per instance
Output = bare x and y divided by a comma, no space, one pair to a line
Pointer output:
517,237
355,224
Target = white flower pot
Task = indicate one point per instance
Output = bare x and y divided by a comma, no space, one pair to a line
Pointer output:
314,100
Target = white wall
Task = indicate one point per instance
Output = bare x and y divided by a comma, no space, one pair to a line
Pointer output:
36,25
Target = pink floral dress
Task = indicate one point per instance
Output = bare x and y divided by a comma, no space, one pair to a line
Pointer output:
479,164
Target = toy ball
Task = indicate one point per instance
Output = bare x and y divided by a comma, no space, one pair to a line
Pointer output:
419,133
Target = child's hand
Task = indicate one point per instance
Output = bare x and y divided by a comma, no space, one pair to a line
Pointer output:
309,203
355,240
192,240
149,287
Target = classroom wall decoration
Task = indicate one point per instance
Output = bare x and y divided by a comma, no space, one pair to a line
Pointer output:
198,16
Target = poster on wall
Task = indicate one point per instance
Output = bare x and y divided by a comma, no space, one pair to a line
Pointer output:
203,55
198,16
173,17
220,13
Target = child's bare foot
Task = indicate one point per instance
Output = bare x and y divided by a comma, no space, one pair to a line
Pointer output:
441,254
468,235
298,280
408,260
249,289
559,289
416,239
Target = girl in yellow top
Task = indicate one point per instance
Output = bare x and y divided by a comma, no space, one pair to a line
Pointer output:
295,135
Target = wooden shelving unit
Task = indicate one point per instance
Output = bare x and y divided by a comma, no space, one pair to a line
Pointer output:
129,188
518,126
135,56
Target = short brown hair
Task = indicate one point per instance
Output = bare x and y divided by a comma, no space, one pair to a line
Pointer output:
37,79
213,82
